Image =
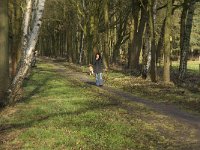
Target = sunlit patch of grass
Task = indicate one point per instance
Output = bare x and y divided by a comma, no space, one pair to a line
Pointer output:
193,66
59,112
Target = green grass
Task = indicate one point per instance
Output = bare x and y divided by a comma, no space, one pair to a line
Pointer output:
60,112
192,66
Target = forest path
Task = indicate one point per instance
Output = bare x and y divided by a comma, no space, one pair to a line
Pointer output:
166,109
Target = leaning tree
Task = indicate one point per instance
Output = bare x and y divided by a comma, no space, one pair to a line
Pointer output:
31,26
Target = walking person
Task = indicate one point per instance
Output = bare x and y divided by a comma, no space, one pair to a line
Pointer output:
98,69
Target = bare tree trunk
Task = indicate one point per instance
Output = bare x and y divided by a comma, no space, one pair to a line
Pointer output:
161,43
146,57
26,25
152,37
90,38
106,47
16,38
81,47
186,27
135,14
167,50
138,38
4,59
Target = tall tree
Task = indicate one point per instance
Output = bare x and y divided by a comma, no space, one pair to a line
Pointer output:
167,47
138,37
4,59
185,32
106,39
152,7
134,27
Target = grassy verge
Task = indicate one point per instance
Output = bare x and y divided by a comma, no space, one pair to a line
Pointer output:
60,112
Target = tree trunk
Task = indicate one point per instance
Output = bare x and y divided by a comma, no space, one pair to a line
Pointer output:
4,59
185,32
146,54
135,14
90,39
161,43
167,48
106,39
117,45
138,38
114,40
26,25
81,47
153,43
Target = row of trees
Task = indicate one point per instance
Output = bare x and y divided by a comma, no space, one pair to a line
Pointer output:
137,34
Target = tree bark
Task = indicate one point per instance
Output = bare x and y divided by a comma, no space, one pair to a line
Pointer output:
135,15
26,25
138,38
4,59
152,38
185,32
81,47
167,47
106,39
161,44
146,53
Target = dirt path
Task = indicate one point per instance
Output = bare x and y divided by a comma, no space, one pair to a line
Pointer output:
166,109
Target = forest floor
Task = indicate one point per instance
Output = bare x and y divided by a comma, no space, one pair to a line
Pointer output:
63,109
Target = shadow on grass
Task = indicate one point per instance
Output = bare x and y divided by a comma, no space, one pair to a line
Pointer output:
40,118
90,83
39,84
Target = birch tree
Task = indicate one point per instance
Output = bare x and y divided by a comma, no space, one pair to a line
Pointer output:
29,41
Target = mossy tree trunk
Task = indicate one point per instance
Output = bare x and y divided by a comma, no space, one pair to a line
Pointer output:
4,59
185,32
